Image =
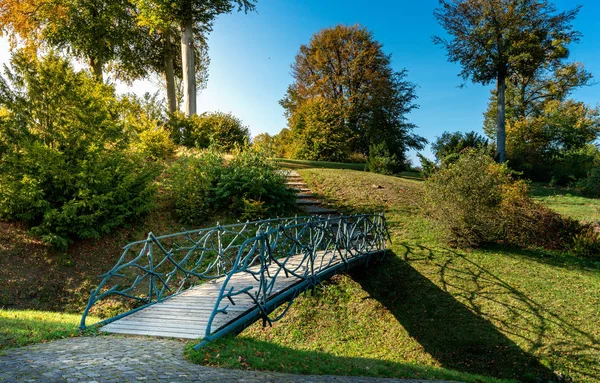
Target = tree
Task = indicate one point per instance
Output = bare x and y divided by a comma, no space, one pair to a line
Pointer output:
344,75
552,144
546,133
66,168
496,39
100,32
194,18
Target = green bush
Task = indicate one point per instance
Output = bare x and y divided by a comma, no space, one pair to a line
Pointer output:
591,185
381,161
248,186
144,118
217,130
190,185
476,201
65,167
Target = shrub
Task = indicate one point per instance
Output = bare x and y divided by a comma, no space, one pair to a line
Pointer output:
145,118
464,198
428,167
190,185
591,185
477,201
249,187
381,161
65,169
221,131
252,177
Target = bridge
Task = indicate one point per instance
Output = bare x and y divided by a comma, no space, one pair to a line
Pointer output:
206,283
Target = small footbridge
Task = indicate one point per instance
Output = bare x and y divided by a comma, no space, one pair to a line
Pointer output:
203,284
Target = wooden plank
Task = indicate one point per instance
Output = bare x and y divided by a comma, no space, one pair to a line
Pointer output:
156,333
157,325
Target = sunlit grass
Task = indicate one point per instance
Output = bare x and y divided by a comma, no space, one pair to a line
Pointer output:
22,327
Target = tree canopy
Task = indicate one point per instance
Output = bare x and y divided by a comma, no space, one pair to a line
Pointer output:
343,80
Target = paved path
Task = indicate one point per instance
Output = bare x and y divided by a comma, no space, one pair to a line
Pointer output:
132,359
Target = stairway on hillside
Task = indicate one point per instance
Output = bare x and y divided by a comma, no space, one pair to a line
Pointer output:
305,198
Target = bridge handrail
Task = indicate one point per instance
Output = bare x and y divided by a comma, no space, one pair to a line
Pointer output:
344,233
206,247
225,250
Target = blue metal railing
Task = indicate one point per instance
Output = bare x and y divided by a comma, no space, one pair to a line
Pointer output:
307,249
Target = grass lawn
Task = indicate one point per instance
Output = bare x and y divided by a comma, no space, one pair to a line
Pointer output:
303,164
22,327
428,311
567,201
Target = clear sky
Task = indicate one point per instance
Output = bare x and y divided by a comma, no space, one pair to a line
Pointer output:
251,57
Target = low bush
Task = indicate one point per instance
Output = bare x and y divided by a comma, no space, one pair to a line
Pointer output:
591,185
199,185
381,161
65,167
476,201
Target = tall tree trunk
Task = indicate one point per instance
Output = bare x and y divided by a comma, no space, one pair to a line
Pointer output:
96,66
501,114
170,74
189,70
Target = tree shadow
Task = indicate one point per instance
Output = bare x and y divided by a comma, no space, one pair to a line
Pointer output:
464,336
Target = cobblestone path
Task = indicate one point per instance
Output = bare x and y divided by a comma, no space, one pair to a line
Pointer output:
132,359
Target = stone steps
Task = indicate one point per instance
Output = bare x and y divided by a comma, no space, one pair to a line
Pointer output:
305,198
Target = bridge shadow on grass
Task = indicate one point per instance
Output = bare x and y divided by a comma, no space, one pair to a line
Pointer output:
250,353
458,337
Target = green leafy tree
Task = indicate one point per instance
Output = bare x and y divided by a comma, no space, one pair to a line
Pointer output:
543,145
364,101
496,39
65,165
194,18
100,32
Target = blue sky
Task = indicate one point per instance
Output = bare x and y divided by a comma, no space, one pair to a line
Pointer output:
251,57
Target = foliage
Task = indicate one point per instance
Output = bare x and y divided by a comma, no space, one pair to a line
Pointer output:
476,201
591,184
428,167
264,143
202,185
465,197
448,147
344,82
194,20
251,186
381,161
99,32
556,143
190,185
144,116
316,135
221,131
494,40
65,169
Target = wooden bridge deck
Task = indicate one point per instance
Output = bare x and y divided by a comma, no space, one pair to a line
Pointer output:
186,315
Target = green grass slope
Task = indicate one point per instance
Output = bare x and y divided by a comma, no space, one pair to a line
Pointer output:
427,311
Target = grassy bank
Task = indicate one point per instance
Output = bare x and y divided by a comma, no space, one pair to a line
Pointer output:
568,201
430,311
23,327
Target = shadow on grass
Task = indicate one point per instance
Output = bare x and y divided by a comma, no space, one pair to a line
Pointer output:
455,335
249,353
546,257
